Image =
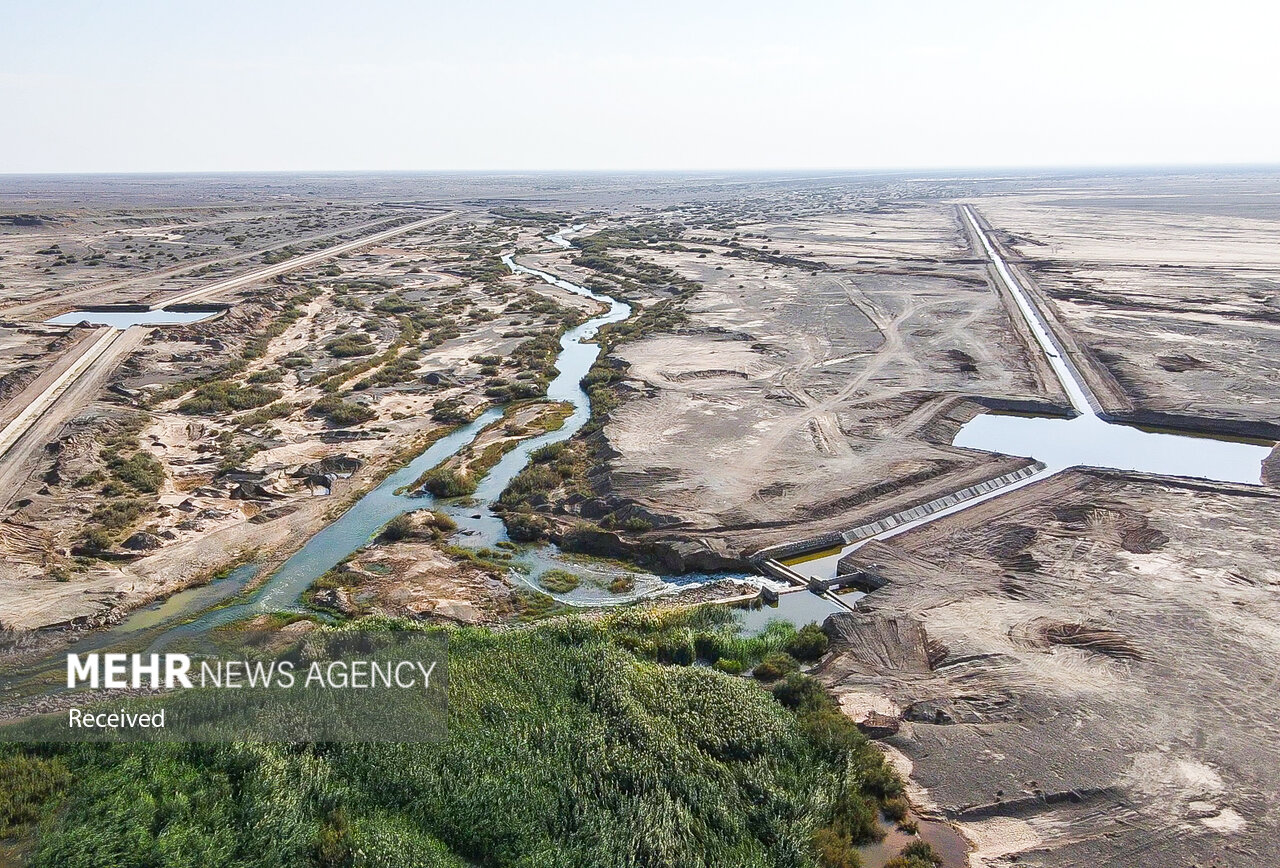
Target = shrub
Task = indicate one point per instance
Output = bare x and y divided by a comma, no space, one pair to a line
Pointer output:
118,514
96,539
141,471
558,581
450,410
917,854
400,527
536,479
676,648
799,691
809,644
341,413
525,526
896,808
775,666
730,667
266,375
222,397
350,345
443,521
835,850
93,477
444,482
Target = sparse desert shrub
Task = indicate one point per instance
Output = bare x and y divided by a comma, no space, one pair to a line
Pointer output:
341,413
350,345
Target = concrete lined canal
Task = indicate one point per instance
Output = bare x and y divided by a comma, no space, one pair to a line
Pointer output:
1056,444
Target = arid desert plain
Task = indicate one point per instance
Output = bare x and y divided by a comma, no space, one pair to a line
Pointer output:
221,388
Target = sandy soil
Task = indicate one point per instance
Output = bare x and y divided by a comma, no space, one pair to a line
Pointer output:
53,259
1180,309
1097,680
796,397
203,516
415,579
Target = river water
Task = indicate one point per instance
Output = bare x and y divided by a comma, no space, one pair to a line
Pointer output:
1085,440
478,525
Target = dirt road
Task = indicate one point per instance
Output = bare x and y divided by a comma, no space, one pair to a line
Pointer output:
95,291
77,385
296,263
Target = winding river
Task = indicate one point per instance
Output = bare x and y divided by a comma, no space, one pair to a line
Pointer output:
478,525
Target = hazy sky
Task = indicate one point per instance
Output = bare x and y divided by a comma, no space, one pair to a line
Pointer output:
591,84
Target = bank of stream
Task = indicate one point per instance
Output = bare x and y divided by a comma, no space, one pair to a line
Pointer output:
479,527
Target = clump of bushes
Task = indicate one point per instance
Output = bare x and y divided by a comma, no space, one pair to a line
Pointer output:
119,514
96,540
450,410
443,521
341,413
557,464
809,643
775,666
394,303
917,854
141,471
266,375
419,524
350,345
558,581
525,526
447,482
222,397
896,809
399,528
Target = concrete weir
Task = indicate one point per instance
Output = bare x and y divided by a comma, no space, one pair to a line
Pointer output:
772,561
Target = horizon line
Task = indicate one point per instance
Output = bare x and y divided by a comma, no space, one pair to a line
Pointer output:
897,170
